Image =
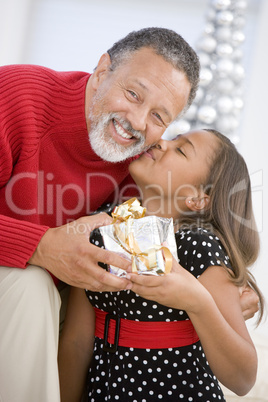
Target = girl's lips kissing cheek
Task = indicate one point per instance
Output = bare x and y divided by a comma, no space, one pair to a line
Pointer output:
149,154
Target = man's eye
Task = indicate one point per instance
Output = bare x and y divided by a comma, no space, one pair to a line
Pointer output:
158,117
133,94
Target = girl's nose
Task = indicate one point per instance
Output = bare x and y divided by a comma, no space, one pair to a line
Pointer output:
162,145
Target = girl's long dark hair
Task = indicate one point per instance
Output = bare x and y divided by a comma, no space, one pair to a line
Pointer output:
230,212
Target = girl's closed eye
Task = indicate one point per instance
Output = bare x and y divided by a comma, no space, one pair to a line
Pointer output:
180,150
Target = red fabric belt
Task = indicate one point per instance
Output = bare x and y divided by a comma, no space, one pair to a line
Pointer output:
142,334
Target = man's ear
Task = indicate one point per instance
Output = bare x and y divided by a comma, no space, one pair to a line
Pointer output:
101,70
197,203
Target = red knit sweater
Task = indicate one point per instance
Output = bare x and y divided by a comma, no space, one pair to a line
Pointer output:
49,174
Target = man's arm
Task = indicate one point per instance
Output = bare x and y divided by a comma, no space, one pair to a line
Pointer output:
18,240
249,301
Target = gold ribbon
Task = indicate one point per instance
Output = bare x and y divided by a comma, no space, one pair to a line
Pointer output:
128,211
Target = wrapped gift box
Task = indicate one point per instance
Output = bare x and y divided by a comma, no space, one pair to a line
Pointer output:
140,241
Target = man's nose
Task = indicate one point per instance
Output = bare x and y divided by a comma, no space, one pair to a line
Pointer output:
137,117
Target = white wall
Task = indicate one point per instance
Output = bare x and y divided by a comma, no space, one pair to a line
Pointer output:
14,21
254,143
72,34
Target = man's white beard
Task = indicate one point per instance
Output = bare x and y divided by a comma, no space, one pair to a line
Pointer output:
106,147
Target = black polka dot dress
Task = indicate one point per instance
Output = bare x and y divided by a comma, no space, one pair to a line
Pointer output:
147,375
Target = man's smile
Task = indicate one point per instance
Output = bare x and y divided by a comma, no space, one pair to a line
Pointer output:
123,133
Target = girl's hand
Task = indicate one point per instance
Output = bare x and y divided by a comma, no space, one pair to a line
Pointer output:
178,289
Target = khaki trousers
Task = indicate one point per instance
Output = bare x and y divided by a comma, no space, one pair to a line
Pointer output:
29,331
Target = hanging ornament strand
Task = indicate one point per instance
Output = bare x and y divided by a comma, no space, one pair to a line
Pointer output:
219,100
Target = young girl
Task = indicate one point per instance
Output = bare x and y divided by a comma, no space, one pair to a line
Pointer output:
171,337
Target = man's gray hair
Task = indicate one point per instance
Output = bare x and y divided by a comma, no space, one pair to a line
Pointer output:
166,43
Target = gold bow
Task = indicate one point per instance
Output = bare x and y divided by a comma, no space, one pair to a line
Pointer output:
129,209
126,212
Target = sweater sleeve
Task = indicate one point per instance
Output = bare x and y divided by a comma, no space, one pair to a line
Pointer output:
18,241
18,238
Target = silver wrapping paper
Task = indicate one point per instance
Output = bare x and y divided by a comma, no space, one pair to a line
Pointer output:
148,232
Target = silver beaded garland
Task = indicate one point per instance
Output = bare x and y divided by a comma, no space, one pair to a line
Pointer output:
219,99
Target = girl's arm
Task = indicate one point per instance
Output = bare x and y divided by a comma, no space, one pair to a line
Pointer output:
232,355
212,303
76,346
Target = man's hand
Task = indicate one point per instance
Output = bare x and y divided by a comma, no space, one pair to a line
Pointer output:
66,252
249,301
